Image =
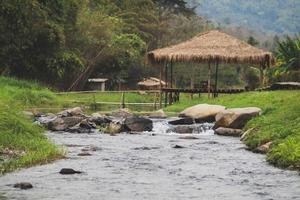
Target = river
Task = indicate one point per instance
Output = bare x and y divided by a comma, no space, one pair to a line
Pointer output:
146,166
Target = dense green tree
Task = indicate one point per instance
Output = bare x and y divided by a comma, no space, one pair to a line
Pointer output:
252,41
64,42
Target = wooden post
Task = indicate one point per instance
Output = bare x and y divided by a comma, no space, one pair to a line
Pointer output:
166,80
261,75
155,107
171,96
209,80
166,99
268,65
192,81
160,87
123,100
216,79
171,66
166,73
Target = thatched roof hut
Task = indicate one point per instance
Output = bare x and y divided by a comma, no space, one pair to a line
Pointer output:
212,46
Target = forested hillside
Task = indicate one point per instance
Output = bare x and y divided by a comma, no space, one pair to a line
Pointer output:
280,16
63,42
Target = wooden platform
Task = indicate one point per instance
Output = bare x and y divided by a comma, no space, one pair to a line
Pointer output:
173,94
199,91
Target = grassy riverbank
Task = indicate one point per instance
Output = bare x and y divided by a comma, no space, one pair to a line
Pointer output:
23,144
280,122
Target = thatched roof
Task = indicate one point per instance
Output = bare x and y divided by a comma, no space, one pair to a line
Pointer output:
150,82
212,46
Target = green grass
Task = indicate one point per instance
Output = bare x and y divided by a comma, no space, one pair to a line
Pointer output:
280,122
17,133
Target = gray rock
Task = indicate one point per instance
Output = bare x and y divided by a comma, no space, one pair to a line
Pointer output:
87,124
122,113
146,148
84,126
99,119
183,121
183,129
69,171
84,154
71,121
228,132
46,119
77,111
160,114
114,127
189,138
263,149
138,124
57,125
23,185
62,124
202,112
178,147
235,118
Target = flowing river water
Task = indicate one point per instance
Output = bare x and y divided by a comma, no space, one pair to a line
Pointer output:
146,166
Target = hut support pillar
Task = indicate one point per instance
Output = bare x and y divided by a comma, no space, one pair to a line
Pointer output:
209,80
160,86
216,79
261,75
171,74
171,82
166,80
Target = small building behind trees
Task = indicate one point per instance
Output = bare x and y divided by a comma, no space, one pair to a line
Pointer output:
97,84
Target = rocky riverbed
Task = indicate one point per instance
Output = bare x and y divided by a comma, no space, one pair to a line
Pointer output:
154,165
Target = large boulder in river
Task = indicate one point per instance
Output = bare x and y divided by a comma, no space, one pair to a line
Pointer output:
77,111
122,113
183,129
62,124
182,121
69,171
202,112
85,126
235,118
228,132
23,185
160,114
99,119
138,124
46,119
113,128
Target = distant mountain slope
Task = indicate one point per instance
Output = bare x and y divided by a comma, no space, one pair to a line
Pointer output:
279,16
